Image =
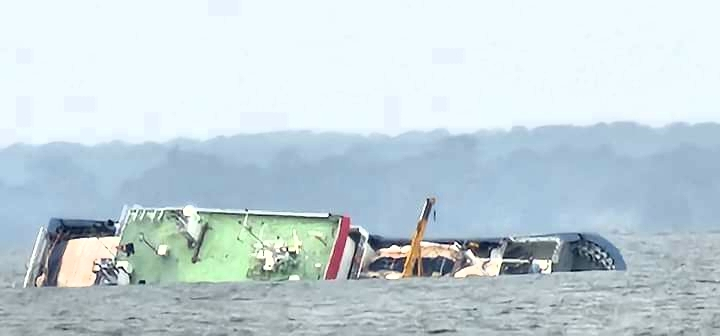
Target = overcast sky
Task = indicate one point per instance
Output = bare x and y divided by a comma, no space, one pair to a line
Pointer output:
136,70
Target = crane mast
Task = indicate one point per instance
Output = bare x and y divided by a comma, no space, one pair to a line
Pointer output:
415,254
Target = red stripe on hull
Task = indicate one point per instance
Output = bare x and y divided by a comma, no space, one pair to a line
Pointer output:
339,249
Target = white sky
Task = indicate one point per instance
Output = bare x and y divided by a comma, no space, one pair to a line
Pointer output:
134,70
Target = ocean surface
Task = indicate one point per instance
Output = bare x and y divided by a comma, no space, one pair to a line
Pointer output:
671,288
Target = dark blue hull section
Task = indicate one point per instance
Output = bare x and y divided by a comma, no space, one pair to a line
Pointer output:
77,228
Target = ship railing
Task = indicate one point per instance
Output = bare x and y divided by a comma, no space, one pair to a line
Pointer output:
32,266
535,239
122,220
138,210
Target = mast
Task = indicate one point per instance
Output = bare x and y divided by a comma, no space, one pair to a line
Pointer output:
415,252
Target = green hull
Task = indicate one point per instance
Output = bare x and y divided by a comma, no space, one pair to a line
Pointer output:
227,250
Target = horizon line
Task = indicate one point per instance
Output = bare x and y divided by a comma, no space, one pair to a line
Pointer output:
366,133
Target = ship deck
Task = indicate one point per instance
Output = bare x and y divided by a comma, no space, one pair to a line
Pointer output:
226,253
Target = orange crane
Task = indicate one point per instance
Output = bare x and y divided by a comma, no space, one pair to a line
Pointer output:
415,252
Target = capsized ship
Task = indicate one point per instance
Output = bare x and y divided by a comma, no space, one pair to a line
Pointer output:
148,245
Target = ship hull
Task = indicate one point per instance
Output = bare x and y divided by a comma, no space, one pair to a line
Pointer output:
177,245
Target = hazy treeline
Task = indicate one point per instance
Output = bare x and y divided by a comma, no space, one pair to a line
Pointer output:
620,176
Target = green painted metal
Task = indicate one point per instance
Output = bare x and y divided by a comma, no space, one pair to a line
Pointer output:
227,251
